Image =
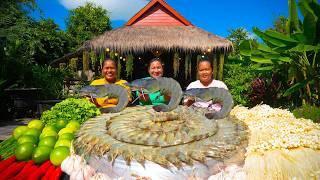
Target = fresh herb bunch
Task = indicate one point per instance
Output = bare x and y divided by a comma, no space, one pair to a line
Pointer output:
70,109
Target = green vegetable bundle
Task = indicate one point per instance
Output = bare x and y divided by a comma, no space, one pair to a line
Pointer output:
70,109
7,147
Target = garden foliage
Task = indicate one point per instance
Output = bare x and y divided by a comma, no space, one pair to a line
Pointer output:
308,112
238,78
293,55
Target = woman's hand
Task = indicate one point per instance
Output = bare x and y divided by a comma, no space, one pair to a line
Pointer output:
94,101
188,101
143,97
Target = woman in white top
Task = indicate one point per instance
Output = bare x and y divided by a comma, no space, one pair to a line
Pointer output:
206,80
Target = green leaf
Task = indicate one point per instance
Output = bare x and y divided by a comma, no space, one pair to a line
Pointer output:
299,37
266,68
296,87
293,20
278,57
282,37
260,59
310,28
285,59
304,6
274,39
245,48
304,48
265,48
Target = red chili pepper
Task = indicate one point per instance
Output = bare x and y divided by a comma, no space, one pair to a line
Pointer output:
6,163
32,169
48,173
25,171
56,174
41,171
12,170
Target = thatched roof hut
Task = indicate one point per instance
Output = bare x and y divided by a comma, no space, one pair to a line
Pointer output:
137,39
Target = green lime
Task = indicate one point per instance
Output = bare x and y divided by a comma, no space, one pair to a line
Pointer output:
18,131
68,136
27,138
48,134
49,141
59,154
61,123
41,154
73,125
49,128
36,124
24,151
33,132
63,142
66,130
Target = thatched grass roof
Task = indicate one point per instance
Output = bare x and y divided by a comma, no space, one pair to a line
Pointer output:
139,39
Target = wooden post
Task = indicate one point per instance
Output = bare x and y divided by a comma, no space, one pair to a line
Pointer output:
85,61
221,64
215,65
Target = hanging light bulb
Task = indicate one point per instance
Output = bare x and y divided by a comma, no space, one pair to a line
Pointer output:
120,57
209,50
107,49
124,59
140,58
115,54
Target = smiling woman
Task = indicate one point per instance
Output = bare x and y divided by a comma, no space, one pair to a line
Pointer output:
109,72
205,71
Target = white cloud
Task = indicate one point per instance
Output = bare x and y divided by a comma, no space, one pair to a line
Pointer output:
118,9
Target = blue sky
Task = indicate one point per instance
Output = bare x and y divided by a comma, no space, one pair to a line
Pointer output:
216,16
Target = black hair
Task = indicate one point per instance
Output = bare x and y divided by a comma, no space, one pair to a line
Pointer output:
154,60
205,59
109,59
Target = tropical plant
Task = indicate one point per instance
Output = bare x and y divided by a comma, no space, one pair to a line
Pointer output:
267,91
295,55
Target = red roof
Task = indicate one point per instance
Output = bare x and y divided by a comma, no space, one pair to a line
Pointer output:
158,13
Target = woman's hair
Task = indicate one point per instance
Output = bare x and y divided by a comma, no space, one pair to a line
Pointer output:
154,60
205,59
108,59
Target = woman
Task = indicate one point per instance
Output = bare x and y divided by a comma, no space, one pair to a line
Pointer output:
205,71
109,72
155,70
